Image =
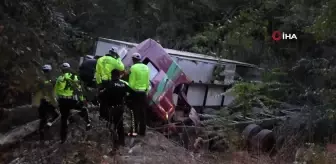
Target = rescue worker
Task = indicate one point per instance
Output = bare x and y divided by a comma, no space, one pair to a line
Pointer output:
105,65
139,77
68,91
116,90
87,72
45,97
104,68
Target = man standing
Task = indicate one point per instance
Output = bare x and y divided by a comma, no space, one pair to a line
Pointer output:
46,99
116,90
104,67
86,75
68,91
87,72
139,82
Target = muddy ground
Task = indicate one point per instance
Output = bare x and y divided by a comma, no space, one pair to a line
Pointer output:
93,146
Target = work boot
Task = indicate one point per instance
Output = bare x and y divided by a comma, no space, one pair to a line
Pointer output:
52,121
88,126
49,124
132,134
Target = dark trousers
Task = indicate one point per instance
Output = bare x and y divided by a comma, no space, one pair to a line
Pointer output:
103,99
114,115
45,110
65,106
138,107
103,107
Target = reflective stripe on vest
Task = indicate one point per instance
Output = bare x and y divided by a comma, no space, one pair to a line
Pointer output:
47,81
63,87
69,97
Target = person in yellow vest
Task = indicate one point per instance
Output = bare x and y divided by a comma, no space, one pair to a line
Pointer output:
104,67
44,97
70,96
139,77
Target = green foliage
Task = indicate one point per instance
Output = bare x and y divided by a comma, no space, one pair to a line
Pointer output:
275,75
245,95
246,90
269,94
239,30
325,22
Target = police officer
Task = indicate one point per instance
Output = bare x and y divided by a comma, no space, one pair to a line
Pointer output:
87,71
104,67
86,74
68,91
117,90
45,96
139,81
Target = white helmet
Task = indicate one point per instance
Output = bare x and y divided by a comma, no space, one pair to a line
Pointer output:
112,50
47,67
136,56
65,65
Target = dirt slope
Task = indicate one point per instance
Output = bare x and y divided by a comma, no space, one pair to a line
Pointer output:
93,147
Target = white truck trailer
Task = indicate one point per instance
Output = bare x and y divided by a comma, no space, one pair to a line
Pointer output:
204,91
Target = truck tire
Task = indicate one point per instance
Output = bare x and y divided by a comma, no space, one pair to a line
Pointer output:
250,131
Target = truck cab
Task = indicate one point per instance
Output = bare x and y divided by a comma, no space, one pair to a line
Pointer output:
165,76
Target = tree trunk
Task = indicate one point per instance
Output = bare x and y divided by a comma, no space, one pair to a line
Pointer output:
18,133
13,117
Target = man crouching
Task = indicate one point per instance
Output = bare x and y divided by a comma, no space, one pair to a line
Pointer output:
115,93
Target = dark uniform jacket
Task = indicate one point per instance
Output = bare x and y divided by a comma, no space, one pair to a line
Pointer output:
116,92
87,71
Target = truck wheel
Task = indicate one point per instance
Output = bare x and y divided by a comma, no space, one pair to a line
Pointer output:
250,131
264,141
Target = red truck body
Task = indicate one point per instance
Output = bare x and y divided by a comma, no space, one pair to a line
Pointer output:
165,76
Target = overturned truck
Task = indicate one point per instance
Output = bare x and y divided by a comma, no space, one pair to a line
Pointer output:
183,84
180,81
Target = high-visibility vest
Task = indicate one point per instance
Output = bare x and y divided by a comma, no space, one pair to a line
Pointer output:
66,85
139,77
104,67
44,91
